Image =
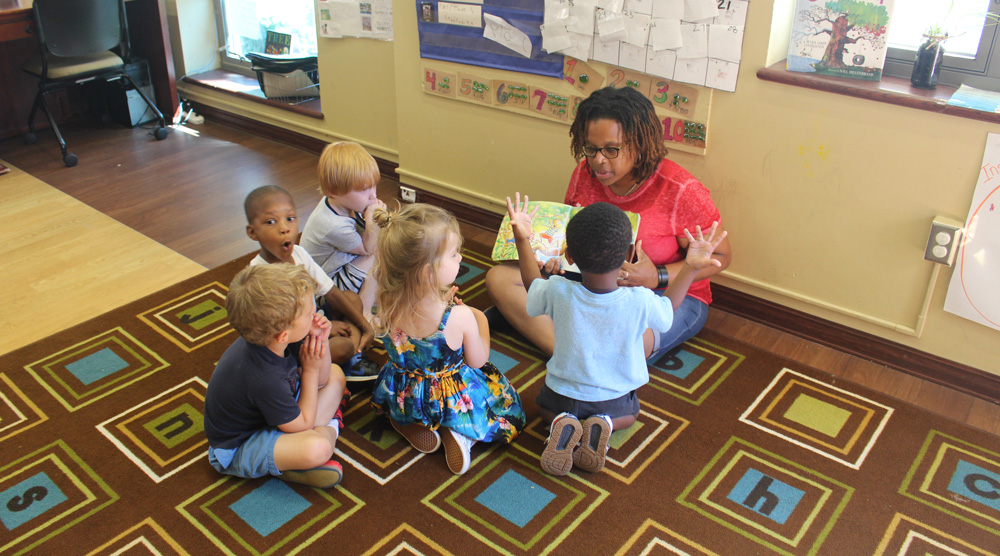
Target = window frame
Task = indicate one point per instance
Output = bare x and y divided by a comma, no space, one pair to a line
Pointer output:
981,72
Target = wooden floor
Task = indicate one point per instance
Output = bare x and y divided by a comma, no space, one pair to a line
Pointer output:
186,193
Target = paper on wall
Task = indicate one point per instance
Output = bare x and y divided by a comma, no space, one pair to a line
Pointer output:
610,26
637,27
665,33
974,290
695,38
695,10
670,9
500,31
725,42
466,15
555,38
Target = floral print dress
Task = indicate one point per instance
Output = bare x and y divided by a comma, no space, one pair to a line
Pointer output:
425,381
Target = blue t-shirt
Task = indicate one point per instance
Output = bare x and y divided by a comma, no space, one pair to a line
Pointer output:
251,388
598,352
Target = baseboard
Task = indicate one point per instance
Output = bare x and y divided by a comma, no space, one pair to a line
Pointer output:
926,366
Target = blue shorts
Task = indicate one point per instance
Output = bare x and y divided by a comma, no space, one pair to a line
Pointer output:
254,458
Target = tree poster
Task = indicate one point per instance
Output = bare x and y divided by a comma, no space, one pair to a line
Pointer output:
842,38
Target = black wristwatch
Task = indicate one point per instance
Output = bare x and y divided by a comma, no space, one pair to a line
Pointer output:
662,276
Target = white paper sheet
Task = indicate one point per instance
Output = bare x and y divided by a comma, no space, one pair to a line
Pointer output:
695,38
500,31
725,42
974,290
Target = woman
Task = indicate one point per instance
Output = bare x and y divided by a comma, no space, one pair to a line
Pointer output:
620,139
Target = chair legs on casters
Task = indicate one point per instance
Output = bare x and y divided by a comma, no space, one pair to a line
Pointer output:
69,159
161,129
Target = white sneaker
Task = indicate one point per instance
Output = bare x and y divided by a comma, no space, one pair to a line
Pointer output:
457,451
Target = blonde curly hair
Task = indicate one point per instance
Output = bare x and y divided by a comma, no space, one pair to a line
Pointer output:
411,243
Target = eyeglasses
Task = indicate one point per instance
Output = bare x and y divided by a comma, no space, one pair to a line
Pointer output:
608,152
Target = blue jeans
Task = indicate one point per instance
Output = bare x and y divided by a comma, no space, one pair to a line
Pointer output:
689,318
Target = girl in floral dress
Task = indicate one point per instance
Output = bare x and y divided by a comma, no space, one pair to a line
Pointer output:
438,374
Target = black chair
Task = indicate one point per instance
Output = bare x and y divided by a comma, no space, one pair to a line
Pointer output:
76,39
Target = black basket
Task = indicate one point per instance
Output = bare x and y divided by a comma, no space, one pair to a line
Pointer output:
284,77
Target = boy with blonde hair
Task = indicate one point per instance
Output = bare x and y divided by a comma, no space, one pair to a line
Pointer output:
272,404
340,233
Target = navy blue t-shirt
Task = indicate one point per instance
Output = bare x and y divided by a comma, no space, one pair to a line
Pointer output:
251,388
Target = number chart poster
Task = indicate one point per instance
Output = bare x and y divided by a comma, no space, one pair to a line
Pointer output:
974,291
503,34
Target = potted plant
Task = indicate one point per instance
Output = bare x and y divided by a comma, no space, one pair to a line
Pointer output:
930,54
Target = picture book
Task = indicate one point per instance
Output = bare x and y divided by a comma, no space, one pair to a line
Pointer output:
548,233
277,43
840,38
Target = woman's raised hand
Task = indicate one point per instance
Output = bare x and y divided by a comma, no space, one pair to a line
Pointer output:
700,248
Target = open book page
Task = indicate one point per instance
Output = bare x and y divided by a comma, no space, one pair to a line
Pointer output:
548,233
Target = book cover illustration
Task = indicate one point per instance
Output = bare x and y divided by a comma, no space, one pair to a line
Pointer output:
277,43
841,38
548,233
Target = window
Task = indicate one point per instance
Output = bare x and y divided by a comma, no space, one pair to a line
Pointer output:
243,27
972,51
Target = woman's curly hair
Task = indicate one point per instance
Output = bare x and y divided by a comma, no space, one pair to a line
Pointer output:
642,130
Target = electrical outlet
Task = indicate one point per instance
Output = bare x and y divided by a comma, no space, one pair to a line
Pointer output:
408,194
944,241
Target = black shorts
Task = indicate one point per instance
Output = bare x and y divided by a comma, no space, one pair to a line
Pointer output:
625,406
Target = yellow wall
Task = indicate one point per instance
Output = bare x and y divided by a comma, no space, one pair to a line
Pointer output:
828,199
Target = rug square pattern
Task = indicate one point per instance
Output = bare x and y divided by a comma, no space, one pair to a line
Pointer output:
45,493
558,507
109,362
767,498
909,537
371,445
192,320
407,540
693,370
654,539
164,434
958,478
146,537
17,412
241,516
840,425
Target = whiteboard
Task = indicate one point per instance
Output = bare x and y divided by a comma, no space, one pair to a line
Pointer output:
974,291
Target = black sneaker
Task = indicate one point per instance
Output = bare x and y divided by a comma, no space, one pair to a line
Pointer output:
361,369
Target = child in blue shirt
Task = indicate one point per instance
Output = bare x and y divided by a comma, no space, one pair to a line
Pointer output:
599,359
272,406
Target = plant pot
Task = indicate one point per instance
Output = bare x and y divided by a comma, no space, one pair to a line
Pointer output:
927,65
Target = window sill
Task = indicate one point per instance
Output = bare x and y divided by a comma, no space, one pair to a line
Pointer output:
246,87
892,90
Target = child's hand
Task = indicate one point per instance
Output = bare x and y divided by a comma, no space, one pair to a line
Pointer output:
700,248
367,336
320,326
369,213
312,353
520,218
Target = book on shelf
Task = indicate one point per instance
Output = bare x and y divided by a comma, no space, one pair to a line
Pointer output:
277,43
840,38
548,233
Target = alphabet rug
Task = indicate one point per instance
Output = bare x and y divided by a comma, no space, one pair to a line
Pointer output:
736,452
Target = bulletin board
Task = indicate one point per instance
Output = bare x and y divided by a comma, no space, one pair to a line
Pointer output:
684,109
476,34
974,290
